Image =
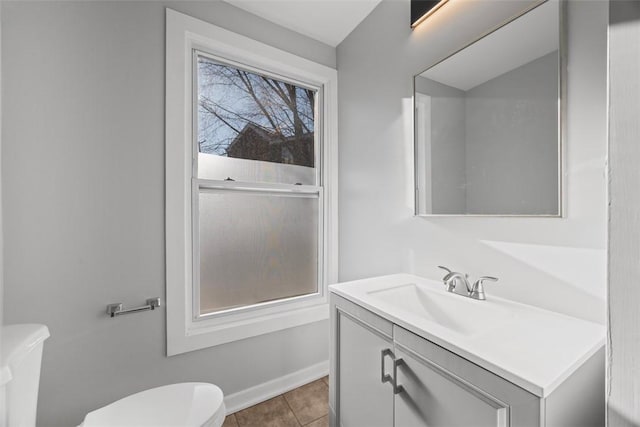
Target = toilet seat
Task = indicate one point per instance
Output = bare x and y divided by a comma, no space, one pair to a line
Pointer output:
175,405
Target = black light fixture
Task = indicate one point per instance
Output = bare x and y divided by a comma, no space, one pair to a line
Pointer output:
422,9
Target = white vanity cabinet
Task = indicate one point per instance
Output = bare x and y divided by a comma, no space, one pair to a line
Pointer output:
384,375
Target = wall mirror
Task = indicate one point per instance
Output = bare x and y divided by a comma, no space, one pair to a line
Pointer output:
488,125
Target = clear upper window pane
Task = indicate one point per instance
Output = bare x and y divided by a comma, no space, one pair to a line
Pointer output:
256,247
252,127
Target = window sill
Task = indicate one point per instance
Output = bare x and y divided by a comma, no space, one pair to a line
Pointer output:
208,333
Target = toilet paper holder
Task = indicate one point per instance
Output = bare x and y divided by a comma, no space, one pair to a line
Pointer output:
116,309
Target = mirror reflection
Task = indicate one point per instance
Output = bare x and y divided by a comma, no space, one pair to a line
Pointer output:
487,127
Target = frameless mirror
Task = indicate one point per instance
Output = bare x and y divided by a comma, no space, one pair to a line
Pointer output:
488,124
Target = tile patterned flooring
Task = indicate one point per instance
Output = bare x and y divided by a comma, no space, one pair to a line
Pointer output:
306,406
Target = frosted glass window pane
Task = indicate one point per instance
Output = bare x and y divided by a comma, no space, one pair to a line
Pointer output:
253,127
256,247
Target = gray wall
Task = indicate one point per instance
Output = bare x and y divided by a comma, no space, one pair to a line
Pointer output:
558,264
83,192
624,215
514,169
1,223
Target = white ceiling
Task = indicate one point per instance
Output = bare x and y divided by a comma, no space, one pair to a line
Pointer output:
527,38
328,21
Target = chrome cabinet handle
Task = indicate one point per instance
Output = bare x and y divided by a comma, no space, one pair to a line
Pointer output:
397,389
385,378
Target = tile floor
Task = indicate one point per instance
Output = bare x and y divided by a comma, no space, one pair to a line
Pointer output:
306,406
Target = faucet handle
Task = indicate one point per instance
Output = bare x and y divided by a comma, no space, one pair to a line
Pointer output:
477,290
448,270
451,278
447,276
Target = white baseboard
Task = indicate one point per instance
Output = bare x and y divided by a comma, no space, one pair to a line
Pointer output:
265,391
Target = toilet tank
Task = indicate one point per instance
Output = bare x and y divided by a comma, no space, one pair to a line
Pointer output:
21,347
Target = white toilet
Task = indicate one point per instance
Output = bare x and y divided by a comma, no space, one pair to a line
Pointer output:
183,405
20,373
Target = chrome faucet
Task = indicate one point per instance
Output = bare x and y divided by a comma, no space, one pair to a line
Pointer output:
451,280
475,291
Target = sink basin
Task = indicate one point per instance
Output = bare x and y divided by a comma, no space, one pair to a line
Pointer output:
455,312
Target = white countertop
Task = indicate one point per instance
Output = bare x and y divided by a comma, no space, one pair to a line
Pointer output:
533,348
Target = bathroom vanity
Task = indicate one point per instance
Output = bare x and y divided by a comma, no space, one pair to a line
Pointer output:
407,353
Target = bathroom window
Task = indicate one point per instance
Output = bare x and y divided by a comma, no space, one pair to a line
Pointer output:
250,207
254,245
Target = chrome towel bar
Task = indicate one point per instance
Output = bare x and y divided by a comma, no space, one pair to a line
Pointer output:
116,309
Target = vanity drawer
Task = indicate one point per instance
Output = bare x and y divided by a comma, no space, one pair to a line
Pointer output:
428,370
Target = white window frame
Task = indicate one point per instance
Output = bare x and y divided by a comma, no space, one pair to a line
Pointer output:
185,332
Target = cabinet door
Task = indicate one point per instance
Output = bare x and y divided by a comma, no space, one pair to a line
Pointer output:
364,400
434,397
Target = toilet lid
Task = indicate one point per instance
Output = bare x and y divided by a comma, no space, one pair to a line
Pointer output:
184,405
